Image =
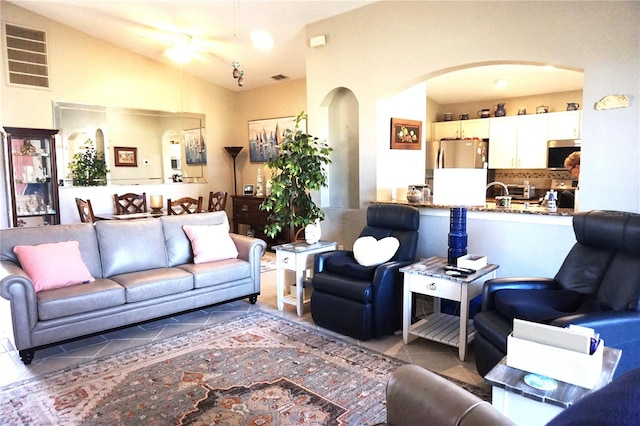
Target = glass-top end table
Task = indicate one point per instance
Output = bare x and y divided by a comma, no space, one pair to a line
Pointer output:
297,257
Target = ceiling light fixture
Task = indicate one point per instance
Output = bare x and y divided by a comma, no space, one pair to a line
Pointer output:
501,83
181,52
262,40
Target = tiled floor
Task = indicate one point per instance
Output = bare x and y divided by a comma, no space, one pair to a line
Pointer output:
431,355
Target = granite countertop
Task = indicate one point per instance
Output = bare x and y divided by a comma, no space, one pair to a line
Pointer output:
518,208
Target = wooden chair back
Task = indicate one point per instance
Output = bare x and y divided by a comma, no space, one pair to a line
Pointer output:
217,201
85,211
184,205
130,203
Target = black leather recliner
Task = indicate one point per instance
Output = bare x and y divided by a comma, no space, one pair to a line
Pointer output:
597,286
365,302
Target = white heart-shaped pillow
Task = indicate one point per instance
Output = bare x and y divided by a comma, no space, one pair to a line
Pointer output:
369,252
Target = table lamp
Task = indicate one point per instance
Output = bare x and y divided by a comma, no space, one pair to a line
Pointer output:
459,189
156,204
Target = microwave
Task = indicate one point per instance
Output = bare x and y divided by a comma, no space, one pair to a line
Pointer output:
558,150
520,192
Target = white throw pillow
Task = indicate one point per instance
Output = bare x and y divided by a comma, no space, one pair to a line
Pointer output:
369,252
210,242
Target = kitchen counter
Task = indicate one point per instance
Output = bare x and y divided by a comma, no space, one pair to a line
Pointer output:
518,208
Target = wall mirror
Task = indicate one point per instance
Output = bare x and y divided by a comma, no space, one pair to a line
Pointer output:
140,146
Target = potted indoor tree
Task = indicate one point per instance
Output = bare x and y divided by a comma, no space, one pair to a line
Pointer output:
89,168
298,169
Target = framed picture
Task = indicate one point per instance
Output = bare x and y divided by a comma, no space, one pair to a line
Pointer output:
406,134
194,147
125,156
266,136
248,189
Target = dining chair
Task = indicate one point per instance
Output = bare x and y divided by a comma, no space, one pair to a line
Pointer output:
130,203
85,211
184,205
217,201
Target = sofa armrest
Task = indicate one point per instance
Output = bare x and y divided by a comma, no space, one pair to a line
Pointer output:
416,396
16,287
250,249
495,284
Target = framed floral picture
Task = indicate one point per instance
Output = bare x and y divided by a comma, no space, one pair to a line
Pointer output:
125,156
406,134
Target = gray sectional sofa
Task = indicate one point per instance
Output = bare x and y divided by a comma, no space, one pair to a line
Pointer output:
143,269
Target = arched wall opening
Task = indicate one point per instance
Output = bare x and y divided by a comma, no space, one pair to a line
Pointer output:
341,107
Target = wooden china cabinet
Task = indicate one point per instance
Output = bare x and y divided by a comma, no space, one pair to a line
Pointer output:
32,183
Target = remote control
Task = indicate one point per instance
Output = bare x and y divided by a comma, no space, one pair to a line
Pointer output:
460,269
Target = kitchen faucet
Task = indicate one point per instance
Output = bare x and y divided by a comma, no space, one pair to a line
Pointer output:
490,184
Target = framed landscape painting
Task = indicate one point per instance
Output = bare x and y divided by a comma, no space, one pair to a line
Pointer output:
194,147
406,134
266,136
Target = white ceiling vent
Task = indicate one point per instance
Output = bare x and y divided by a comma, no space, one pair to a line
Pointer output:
27,56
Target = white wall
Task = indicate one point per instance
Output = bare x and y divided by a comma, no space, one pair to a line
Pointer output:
413,40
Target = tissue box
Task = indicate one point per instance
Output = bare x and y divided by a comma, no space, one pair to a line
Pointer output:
472,261
561,364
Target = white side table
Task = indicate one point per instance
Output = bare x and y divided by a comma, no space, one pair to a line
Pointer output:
297,257
428,277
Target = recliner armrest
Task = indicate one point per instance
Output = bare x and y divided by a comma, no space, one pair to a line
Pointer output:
416,396
320,258
526,283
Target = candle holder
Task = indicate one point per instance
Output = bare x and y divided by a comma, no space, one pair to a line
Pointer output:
156,204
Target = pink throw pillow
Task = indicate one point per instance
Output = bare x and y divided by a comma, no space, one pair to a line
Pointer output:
53,265
211,242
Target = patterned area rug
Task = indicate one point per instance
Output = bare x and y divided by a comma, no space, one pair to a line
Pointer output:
258,369
255,370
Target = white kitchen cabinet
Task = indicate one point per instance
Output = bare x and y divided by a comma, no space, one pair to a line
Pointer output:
446,130
503,150
478,128
564,125
532,142
518,142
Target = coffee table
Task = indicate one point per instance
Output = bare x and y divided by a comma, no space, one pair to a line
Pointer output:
428,277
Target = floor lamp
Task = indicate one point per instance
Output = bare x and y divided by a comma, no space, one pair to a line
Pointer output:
233,152
459,189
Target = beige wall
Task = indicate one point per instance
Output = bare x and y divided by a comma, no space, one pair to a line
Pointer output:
87,70
280,100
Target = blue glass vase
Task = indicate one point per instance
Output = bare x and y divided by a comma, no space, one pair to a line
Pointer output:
457,234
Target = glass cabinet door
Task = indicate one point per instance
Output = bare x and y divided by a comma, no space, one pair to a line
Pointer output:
32,180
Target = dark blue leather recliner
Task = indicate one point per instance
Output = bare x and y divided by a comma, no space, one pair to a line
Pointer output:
597,286
365,302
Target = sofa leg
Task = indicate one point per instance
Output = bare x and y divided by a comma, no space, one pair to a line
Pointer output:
27,356
253,299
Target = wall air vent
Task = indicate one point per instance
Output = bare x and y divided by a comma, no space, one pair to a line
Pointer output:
279,77
27,56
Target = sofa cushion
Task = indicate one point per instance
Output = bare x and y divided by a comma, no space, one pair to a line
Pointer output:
77,299
177,243
347,266
370,252
216,273
130,245
210,242
149,284
53,265
81,232
537,305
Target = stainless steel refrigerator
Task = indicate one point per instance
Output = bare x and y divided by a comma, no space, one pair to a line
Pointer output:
457,153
